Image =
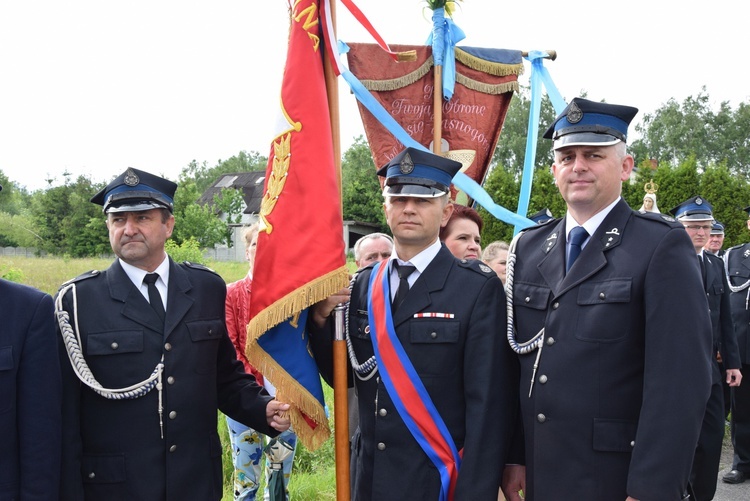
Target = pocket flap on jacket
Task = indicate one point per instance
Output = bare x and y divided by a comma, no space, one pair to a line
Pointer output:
103,468
114,342
205,330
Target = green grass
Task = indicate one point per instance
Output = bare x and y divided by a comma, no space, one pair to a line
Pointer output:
313,475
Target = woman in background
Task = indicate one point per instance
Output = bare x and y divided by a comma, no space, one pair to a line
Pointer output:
496,257
462,233
247,444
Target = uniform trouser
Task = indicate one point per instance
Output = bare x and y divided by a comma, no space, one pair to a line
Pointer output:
247,451
708,450
740,424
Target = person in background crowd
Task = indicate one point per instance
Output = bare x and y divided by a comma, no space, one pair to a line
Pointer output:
445,316
30,395
146,362
462,233
611,327
496,257
372,248
696,215
737,268
248,444
715,239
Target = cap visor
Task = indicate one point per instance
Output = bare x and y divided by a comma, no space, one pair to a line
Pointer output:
696,217
584,139
413,190
138,206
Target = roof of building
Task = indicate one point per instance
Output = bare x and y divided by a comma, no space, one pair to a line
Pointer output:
250,183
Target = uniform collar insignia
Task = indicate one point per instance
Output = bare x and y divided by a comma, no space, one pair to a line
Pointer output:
549,244
611,237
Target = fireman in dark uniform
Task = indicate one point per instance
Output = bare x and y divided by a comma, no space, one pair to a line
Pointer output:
147,362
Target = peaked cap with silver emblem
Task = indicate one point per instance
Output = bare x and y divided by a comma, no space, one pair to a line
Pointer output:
588,123
418,173
693,209
135,190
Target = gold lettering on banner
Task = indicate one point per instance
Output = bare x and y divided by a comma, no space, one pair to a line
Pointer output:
282,156
310,13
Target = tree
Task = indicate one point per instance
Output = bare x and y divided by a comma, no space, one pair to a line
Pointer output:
193,220
503,187
231,203
511,147
361,191
204,176
63,217
676,131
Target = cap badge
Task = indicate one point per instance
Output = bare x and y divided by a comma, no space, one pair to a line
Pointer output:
407,165
699,201
131,178
575,114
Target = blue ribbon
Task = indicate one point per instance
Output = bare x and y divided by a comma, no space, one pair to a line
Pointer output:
461,180
444,37
539,76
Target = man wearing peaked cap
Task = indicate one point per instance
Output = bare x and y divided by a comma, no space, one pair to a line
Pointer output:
716,239
136,190
610,327
737,261
417,173
446,316
694,209
146,361
588,123
696,215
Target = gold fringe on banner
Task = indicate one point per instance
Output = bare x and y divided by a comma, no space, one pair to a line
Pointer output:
486,88
289,390
400,82
489,67
296,301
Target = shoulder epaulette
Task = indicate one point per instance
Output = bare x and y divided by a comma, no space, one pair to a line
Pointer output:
542,224
656,216
738,246
476,265
197,266
83,276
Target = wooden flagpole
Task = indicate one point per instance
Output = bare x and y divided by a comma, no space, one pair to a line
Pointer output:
340,369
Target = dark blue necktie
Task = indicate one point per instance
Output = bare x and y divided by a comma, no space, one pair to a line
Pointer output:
578,235
403,271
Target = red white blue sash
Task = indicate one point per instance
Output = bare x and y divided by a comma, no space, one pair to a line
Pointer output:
406,389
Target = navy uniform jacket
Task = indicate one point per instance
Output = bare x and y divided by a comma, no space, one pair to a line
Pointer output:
738,269
467,368
112,449
29,395
717,293
624,373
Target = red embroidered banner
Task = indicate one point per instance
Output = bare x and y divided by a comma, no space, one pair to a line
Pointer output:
471,120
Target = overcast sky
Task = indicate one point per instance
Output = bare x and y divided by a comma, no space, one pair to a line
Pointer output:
94,86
